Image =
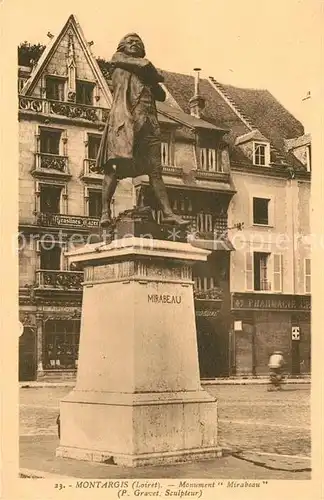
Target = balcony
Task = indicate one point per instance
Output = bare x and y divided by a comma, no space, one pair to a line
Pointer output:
212,175
90,171
69,110
59,280
61,220
52,162
171,170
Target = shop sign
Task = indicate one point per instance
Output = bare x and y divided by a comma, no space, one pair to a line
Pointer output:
207,308
61,309
270,302
207,313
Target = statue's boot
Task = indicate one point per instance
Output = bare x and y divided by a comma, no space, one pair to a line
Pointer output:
106,219
161,194
108,190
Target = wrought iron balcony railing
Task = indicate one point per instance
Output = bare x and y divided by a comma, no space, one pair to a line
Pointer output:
59,280
61,220
48,161
59,108
90,169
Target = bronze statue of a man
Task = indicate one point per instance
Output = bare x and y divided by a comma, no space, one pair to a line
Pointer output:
131,142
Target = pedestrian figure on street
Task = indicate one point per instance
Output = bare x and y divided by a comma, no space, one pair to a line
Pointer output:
58,423
276,364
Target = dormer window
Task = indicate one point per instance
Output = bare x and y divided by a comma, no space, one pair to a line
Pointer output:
261,154
256,147
55,88
84,92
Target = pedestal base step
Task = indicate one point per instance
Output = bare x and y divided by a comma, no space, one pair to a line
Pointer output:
161,458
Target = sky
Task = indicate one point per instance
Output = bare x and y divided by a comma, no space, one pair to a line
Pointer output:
260,44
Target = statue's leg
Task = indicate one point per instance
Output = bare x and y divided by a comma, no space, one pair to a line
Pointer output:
161,194
108,190
153,145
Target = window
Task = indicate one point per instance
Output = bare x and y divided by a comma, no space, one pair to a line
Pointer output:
165,154
261,211
204,283
93,146
61,344
208,159
50,255
181,204
204,223
84,93
263,272
261,263
261,153
307,275
95,203
55,88
50,199
50,141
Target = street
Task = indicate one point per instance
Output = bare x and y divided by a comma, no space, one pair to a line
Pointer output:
250,417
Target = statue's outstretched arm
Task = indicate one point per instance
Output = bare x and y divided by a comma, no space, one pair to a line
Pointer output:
138,65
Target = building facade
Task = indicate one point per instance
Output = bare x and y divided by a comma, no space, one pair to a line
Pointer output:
221,170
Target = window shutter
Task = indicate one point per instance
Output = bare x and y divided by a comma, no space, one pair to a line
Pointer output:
277,272
271,212
249,271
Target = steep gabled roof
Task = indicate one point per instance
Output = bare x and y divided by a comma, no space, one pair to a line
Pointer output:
73,25
216,110
264,112
242,111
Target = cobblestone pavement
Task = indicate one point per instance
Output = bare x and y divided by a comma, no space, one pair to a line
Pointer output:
250,417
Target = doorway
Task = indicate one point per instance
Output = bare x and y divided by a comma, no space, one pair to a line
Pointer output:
27,355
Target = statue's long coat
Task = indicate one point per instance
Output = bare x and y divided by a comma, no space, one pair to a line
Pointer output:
128,80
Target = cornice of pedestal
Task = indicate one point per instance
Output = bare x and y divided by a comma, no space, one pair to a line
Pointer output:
100,253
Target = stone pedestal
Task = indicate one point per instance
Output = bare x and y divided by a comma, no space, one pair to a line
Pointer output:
138,399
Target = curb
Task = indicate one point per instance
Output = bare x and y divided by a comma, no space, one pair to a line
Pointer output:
254,381
238,381
275,461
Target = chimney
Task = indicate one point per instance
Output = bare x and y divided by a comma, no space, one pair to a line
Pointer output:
197,103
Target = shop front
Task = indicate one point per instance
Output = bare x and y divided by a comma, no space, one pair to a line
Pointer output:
49,344
262,323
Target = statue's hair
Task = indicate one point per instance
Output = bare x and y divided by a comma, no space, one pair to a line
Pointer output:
121,45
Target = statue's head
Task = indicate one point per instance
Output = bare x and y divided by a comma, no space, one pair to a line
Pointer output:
132,45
